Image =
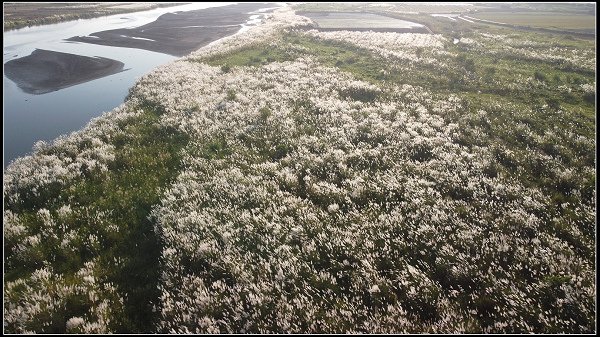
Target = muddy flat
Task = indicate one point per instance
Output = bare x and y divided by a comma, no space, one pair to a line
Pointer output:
178,33
175,34
45,71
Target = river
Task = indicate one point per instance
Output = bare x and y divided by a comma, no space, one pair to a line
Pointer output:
29,118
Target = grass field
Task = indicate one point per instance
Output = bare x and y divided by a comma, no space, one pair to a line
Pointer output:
403,7
357,20
302,181
540,19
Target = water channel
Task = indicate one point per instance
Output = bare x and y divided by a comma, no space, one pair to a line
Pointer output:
28,118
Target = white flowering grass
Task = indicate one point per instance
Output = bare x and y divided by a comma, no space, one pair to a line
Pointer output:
401,46
94,216
339,182
392,212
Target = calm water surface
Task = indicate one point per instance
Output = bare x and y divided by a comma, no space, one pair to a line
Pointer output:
29,118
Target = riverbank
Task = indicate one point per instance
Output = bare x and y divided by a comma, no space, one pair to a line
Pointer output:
30,117
45,71
178,33
175,34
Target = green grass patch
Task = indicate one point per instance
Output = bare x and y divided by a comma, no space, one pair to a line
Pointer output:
252,56
541,19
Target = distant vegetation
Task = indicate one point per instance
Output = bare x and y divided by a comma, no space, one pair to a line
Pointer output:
20,15
559,17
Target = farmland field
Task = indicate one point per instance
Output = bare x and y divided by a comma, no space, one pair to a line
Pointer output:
357,20
541,19
290,179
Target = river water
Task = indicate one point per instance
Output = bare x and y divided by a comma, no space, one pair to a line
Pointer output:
29,118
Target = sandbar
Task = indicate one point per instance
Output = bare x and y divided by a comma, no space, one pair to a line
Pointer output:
45,71
179,33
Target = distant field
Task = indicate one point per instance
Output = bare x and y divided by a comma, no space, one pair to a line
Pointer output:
399,7
333,20
541,19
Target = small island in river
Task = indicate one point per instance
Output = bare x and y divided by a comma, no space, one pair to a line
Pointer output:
178,33
45,71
